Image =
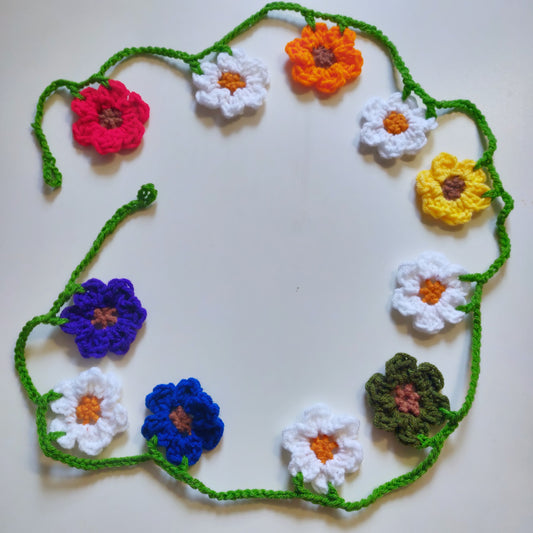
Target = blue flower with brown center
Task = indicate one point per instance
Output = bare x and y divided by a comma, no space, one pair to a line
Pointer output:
185,420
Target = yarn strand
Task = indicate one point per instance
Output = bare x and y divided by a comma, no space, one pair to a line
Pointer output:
146,195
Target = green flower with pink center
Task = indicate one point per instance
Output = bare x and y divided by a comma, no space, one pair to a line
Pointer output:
407,399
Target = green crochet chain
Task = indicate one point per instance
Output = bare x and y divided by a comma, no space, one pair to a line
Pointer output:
147,195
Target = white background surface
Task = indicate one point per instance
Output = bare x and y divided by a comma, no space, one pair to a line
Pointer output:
267,264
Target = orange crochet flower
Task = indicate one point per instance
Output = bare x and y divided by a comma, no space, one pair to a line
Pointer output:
324,58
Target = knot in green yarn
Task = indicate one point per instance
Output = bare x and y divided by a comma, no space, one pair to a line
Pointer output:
146,195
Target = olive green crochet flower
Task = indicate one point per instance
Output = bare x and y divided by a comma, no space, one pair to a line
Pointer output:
406,399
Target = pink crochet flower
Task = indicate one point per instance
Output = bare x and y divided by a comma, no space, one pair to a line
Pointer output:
111,119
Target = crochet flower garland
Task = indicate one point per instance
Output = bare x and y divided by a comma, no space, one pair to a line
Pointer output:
182,419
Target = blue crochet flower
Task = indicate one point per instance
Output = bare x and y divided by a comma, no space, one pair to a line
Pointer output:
185,420
104,318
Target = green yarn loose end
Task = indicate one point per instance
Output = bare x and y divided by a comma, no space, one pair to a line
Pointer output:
147,195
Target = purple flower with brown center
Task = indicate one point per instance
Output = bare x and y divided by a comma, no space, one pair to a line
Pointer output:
104,318
185,420
407,399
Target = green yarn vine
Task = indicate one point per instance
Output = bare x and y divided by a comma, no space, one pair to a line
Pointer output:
146,196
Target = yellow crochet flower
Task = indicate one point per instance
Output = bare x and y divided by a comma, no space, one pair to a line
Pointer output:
452,191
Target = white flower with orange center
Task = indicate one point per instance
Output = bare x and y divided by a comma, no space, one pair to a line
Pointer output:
232,84
90,412
395,127
324,447
429,289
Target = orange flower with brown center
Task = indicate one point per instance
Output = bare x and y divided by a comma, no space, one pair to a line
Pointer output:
324,58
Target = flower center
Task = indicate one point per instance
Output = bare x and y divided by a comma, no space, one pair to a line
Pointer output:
104,317
431,292
324,447
231,81
110,118
88,410
407,399
323,56
453,187
181,420
395,123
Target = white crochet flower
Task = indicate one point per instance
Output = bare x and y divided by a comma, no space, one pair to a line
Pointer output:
429,289
323,447
395,126
90,412
233,83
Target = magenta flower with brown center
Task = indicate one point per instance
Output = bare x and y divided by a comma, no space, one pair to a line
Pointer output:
110,118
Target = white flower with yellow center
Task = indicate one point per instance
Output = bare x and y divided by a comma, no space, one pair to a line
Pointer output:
429,289
395,127
233,83
90,412
324,447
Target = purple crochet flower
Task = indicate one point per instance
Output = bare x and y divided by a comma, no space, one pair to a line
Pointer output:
185,420
104,318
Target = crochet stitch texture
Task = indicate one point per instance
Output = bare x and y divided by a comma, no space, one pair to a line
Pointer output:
234,83
90,414
323,447
407,399
104,318
430,290
184,419
395,127
452,191
324,58
111,118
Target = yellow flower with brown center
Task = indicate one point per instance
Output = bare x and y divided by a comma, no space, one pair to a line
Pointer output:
452,191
